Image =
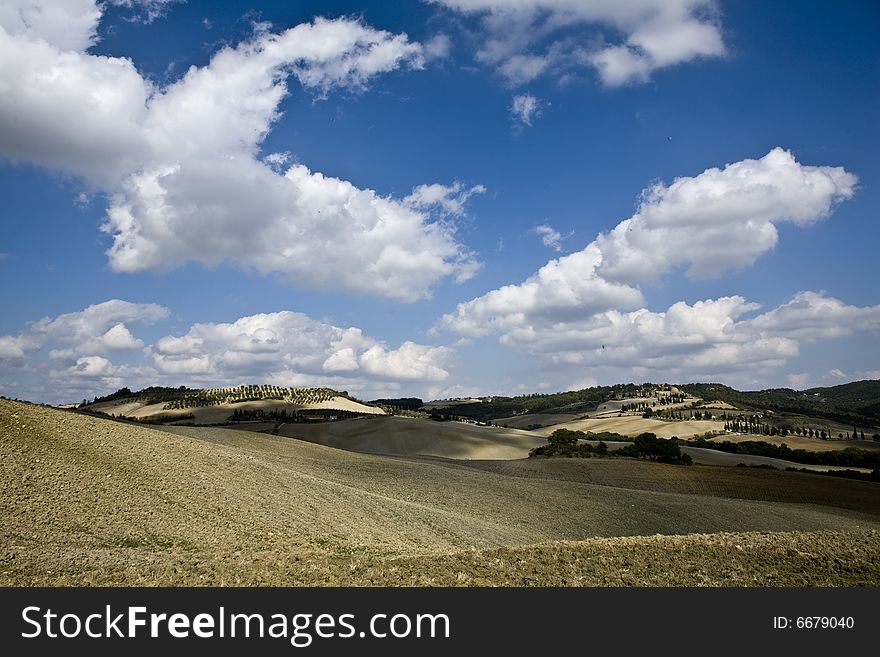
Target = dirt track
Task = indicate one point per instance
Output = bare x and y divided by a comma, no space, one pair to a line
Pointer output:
90,501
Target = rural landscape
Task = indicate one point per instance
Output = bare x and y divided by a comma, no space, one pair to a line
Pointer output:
441,293
631,485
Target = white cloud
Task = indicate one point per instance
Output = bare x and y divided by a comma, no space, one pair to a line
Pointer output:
98,330
799,380
317,231
438,47
813,316
410,361
837,373
91,367
69,25
68,110
586,308
525,108
530,38
565,289
550,237
15,347
522,69
266,345
182,167
698,340
720,219
277,160
92,351
116,338
146,11
450,199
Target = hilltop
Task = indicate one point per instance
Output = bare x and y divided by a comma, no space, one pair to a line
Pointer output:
232,404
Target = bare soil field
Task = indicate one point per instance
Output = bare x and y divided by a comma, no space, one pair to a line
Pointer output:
634,425
403,436
88,501
799,442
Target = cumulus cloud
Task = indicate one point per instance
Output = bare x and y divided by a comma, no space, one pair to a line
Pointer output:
709,223
182,167
709,337
722,218
587,309
525,108
813,316
92,351
91,367
100,329
69,25
623,41
263,345
564,289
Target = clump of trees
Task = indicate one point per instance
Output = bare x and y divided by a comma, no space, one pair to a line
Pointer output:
577,444
649,446
565,442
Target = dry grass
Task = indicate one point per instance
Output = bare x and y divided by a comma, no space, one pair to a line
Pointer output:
90,501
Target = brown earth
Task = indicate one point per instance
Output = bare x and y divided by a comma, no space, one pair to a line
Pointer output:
90,501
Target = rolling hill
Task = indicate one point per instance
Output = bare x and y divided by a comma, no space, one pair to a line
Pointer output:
90,501
850,403
220,405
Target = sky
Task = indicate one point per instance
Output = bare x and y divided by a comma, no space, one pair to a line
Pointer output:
437,198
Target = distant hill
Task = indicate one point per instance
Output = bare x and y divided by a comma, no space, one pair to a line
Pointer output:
573,401
850,403
220,405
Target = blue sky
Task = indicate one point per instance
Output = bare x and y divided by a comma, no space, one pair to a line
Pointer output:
437,198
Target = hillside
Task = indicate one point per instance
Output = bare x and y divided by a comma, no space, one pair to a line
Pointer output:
633,425
221,405
573,401
90,501
403,436
851,403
